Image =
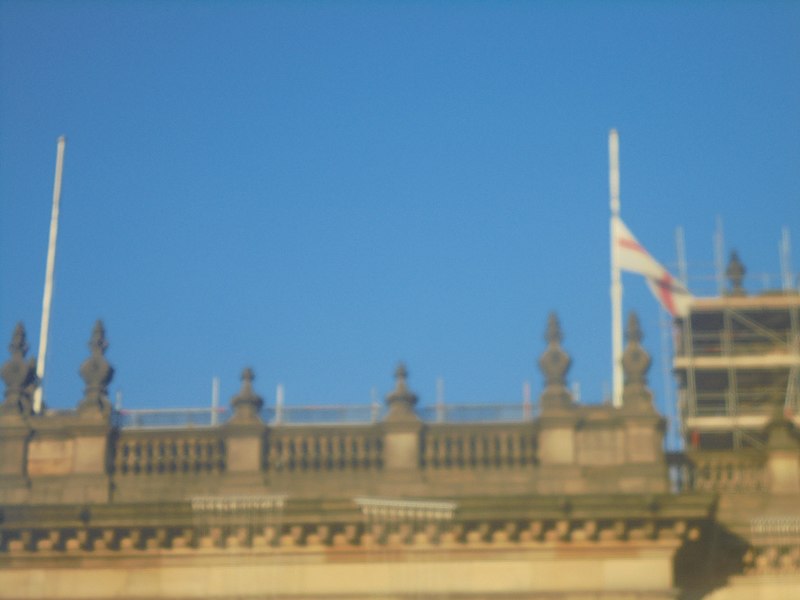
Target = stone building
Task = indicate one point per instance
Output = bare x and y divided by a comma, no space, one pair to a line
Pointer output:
578,501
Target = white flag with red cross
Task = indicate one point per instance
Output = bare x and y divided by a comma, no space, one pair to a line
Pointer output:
631,256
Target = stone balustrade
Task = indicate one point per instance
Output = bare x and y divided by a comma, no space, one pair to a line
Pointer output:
488,446
729,472
309,448
183,452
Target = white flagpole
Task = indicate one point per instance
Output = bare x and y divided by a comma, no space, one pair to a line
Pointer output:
48,279
616,281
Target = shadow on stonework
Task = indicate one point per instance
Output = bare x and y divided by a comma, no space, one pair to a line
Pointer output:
705,564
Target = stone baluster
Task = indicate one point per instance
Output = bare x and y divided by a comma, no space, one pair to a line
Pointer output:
347,451
504,441
316,445
275,456
460,454
284,453
442,451
336,451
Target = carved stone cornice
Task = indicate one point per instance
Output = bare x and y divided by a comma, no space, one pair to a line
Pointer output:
275,523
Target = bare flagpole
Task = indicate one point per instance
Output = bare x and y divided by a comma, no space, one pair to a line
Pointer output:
616,281
48,279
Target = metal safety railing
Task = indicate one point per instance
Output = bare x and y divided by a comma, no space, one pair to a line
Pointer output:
155,418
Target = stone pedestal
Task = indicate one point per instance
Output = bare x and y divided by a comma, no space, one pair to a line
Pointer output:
243,457
557,438
401,446
783,458
401,432
14,434
67,458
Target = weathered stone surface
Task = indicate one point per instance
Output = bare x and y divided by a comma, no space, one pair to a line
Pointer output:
554,364
96,373
246,404
19,376
635,364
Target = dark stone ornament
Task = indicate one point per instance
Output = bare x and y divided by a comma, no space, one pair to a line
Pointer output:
19,376
246,404
735,274
401,400
635,364
554,364
96,373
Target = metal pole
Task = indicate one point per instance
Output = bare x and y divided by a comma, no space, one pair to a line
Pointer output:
440,411
214,399
616,280
786,260
48,278
719,259
279,400
527,407
680,246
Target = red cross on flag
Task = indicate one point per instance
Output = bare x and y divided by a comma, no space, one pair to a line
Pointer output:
631,256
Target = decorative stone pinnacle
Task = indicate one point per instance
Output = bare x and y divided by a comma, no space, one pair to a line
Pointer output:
401,400
247,404
248,376
19,344
633,333
635,364
735,274
19,376
97,342
96,373
401,376
553,333
554,364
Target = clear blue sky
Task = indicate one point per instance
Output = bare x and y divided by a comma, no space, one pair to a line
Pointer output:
318,189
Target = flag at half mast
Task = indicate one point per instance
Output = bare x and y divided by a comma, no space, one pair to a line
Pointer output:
632,257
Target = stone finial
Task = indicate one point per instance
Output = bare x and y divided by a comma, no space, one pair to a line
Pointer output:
735,274
247,404
96,373
553,334
635,364
19,376
554,364
633,332
401,400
